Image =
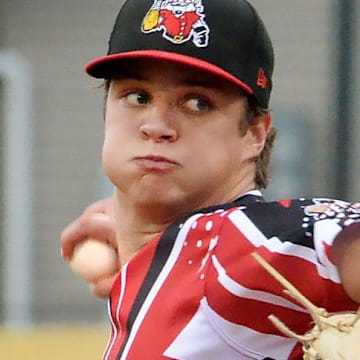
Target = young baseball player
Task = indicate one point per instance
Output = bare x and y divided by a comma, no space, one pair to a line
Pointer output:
188,136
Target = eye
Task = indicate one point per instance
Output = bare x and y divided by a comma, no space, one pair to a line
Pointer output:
198,104
138,97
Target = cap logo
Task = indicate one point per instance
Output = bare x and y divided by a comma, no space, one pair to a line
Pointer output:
178,20
262,80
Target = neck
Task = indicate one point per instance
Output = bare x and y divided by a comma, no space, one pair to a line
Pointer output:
137,224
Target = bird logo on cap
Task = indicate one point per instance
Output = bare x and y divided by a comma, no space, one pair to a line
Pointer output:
178,20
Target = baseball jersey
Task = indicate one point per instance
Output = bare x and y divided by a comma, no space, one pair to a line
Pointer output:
195,292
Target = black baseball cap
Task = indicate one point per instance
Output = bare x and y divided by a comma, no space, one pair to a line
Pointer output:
223,37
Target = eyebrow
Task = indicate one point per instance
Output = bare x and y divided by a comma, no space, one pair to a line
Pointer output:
128,74
189,81
193,79
199,82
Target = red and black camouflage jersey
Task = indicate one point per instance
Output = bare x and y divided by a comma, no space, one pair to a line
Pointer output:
196,293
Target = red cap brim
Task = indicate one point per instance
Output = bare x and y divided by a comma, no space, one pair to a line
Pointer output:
101,68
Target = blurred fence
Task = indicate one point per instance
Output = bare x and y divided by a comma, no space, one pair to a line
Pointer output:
67,128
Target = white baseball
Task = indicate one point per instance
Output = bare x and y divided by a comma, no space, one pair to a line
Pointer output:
93,259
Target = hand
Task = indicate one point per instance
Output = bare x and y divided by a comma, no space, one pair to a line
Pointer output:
346,253
95,222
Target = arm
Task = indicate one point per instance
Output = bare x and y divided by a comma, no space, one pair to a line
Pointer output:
95,222
346,255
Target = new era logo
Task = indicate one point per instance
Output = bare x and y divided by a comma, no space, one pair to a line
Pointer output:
262,80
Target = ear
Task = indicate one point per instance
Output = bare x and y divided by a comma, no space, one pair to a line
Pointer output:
258,133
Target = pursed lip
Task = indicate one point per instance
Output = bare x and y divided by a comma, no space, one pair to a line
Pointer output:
156,163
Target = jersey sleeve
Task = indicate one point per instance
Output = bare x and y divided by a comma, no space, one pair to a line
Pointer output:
295,237
327,218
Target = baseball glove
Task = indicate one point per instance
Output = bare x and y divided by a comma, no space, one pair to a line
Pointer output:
334,336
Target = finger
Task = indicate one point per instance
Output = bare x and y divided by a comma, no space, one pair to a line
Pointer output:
102,288
77,231
104,206
97,226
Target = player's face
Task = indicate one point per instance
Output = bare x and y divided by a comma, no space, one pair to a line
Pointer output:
172,137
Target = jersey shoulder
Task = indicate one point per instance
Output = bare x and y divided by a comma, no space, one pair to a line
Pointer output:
287,219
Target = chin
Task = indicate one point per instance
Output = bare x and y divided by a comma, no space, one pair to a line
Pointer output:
155,199
161,201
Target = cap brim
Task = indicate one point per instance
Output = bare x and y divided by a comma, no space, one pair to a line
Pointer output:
103,67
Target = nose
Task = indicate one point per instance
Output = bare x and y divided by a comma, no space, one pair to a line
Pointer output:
159,126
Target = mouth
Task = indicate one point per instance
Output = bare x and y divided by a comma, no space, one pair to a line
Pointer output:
156,163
